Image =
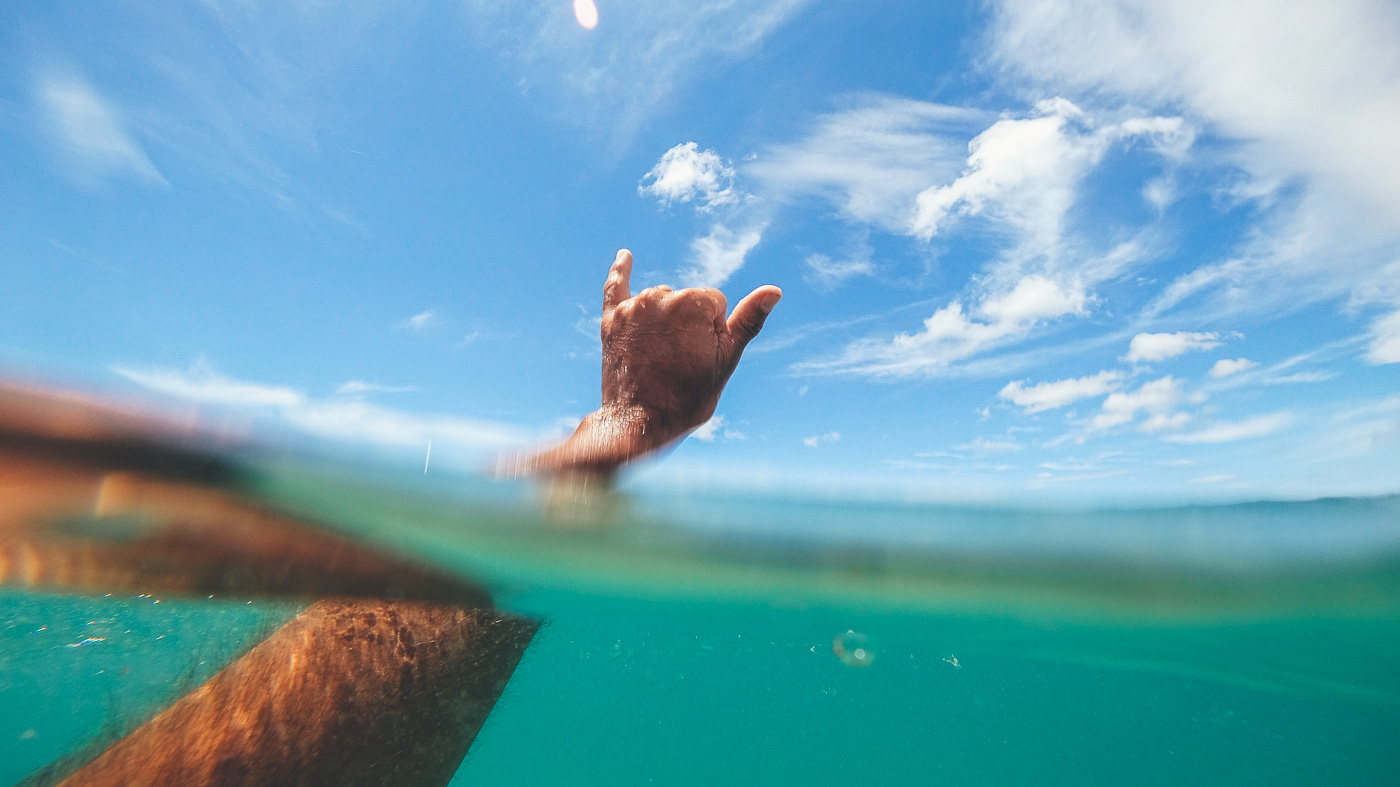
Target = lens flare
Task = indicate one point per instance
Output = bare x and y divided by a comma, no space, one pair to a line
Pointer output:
586,13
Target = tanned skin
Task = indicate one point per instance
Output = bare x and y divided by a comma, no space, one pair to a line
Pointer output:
667,355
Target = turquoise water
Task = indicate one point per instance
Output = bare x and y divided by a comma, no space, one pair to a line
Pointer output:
689,639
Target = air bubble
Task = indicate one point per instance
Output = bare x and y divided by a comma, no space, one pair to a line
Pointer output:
853,648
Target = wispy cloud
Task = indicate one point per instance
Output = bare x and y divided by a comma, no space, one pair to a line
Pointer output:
348,419
1042,480
1226,367
92,136
1147,347
1366,428
719,255
870,159
827,274
1048,396
614,78
359,387
1218,478
982,445
1243,430
1385,340
951,334
421,321
822,439
202,385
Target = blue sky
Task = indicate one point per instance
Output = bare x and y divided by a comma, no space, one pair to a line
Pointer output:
1106,250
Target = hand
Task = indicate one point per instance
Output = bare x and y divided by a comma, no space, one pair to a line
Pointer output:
666,357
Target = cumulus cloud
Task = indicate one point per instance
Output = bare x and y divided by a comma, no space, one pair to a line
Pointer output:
1048,396
1022,173
1242,430
1161,346
686,173
1385,340
951,334
341,418
706,431
95,142
1025,172
1312,84
718,255
1158,398
1226,367
1305,93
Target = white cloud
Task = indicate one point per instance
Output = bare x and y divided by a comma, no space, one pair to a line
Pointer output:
1027,167
1022,174
1025,172
358,387
1159,398
717,256
686,173
827,274
95,141
982,445
706,431
361,422
202,385
1312,83
1226,367
1385,340
822,439
1366,428
1161,346
1242,430
869,159
1043,480
1308,248
1048,396
1298,377
951,335
421,321
346,419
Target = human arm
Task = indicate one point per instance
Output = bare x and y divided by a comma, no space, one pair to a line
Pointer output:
667,355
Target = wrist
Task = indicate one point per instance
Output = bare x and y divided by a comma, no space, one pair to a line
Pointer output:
610,437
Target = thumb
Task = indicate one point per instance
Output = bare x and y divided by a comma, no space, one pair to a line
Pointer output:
749,314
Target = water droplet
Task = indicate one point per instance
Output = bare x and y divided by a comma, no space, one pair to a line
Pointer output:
853,648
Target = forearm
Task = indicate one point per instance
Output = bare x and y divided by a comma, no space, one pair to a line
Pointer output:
608,438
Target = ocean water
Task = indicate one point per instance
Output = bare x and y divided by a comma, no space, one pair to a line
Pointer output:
743,639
